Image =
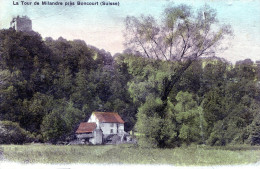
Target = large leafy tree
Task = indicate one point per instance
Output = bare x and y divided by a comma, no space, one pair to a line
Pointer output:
180,38
61,121
182,35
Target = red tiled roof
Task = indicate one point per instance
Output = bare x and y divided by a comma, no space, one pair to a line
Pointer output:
108,117
85,127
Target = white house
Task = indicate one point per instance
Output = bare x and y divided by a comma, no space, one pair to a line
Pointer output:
99,126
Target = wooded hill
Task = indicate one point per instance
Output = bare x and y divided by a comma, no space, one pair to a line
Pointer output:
160,85
48,87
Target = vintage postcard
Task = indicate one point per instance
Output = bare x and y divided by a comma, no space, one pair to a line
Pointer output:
129,83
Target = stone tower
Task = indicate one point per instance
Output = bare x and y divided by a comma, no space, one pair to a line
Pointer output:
21,23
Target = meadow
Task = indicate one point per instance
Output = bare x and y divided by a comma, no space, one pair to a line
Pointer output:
130,154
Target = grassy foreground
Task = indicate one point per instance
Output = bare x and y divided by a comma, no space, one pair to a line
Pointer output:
128,154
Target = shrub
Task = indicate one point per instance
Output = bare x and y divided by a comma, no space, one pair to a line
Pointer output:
12,133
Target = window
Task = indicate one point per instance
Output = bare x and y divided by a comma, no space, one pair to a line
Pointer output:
111,131
111,124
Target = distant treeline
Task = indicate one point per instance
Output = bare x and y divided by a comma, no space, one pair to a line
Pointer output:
47,87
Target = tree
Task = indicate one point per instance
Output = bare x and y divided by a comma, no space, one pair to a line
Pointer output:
156,131
191,80
53,126
61,121
34,110
255,130
190,119
181,36
12,133
230,102
12,90
179,39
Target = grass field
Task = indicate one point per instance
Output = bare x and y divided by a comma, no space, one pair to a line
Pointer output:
128,154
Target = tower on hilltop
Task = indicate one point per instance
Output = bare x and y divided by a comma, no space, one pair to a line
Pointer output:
22,23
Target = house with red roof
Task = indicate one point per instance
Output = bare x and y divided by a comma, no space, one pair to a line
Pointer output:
100,126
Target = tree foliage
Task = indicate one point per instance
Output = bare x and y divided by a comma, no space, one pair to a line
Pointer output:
161,86
49,86
12,133
175,43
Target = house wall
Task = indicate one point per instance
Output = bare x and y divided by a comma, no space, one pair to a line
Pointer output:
98,137
112,128
121,128
93,118
92,140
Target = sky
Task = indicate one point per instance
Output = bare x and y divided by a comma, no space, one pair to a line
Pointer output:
102,26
